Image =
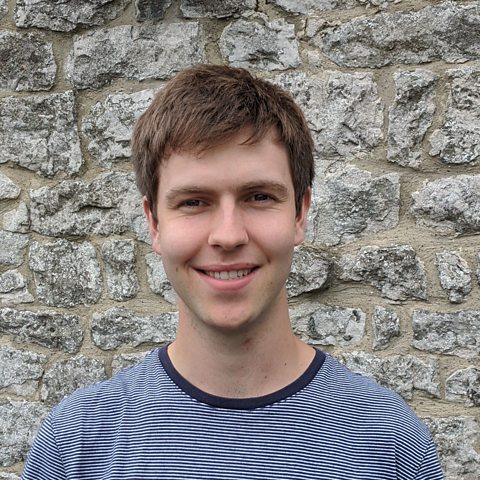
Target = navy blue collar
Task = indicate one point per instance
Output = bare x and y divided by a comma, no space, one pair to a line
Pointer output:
241,403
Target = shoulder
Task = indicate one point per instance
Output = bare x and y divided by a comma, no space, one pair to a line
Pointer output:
111,396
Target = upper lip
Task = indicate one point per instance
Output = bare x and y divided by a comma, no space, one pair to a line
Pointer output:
226,268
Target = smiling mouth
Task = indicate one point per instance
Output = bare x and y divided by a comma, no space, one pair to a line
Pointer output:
228,274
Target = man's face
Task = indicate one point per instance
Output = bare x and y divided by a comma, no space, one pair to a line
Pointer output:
226,231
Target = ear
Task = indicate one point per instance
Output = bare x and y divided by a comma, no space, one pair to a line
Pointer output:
152,226
301,219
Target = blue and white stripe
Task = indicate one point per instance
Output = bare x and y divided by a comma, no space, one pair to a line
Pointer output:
148,422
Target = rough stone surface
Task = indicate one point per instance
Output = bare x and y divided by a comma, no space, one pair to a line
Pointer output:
40,133
396,271
410,116
120,327
343,110
109,125
119,258
455,438
311,270
455,333
249,44
386,325
8,189
464,386
455,275
446,32
403,374
66,15
66,273
449,205
19,422
47,328
350,203
110,204
328,325
3,11
17,220
28,63
133,53
12,248
13,288
66,376
215,8
151,10
20,371
157,278
309,7
457,141
126,360
8,476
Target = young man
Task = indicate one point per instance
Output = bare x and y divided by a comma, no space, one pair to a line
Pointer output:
224,161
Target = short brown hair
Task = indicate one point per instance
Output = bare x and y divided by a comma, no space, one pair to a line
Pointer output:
205,105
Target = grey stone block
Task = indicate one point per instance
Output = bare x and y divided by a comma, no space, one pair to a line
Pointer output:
310,7
47,328
66,273
446,32
403,374
350,203
120,327
456,438
13,288
157,278
328,325
8,189
455,275
386,325
133,53
125,360
449,205
215,8
311,270
66,15
109,125
249,44
119,258
8,476
457,140
19,422
110,204
17,220
343,110
396,271
151,10
3,11
464,386
410,116
452,333
20,371
66,376
12,248
28,63
40,133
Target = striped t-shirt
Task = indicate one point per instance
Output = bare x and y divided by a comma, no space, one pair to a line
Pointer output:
148,422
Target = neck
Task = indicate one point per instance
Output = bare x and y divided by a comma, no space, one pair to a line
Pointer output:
244,364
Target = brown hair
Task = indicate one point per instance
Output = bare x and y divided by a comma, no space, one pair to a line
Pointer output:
206,105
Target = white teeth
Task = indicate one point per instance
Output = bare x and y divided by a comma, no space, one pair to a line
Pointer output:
229,274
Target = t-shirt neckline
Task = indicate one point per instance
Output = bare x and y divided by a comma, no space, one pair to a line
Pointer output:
241,403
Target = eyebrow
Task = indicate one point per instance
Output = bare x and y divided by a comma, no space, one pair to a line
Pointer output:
278,188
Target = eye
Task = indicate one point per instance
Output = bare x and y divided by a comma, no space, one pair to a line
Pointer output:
261,197
192,203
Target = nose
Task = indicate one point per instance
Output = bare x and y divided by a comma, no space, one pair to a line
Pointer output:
228,229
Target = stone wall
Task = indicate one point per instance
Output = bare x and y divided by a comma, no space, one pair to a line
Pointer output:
389,278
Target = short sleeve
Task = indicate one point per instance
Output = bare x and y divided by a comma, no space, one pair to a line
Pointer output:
430,468
44,461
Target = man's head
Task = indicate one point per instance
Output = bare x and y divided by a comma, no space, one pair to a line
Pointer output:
206,105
